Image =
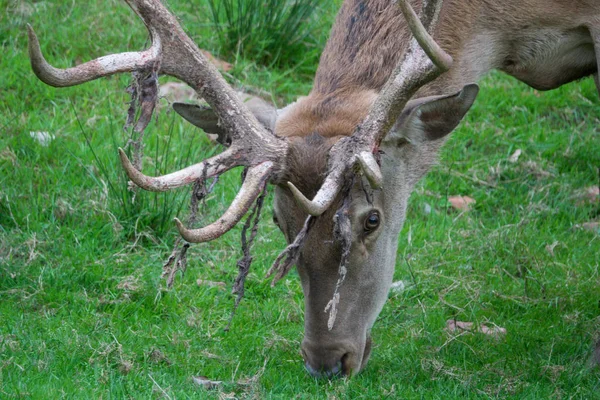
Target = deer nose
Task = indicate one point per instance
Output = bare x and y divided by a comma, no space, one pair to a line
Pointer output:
335,360
322,361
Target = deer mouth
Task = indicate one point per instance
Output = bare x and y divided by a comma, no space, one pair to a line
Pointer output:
350,366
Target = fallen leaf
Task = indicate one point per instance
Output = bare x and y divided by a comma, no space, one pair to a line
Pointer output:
205,382
550,248
495,331
515,156
587,195
202,282
453,325
593,193
461,203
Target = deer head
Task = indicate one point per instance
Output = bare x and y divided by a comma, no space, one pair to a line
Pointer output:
344,240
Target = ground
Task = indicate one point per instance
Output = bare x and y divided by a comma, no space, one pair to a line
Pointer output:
85,312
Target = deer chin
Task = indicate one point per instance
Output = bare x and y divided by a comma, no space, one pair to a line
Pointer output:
337,361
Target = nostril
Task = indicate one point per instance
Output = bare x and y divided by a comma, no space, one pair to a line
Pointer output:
335,371
313,372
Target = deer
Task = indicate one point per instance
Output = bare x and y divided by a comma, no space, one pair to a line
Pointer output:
389,89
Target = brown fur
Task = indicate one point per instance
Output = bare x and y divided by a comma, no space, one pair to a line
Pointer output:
335,114
307,162
369,36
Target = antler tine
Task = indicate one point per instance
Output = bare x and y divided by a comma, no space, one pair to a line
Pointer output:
103,66
419,29
256,179
323,199
422,62
206,169
370,168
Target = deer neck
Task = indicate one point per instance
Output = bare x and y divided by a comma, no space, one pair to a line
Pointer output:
366,42
545,49
544,43
370,36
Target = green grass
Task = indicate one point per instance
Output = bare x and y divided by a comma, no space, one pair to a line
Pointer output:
82,309
272,31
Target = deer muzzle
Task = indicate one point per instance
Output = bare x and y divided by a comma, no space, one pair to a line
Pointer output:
345,358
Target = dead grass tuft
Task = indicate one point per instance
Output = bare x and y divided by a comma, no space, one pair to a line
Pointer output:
156,356
129,283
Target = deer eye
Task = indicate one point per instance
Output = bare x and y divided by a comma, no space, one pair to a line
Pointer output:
372,221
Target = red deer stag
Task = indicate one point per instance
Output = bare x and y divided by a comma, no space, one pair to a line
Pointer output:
355,144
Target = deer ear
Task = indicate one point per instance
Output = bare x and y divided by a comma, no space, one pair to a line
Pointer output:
205,118
432,118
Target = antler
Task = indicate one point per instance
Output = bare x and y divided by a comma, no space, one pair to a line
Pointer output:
173,53
422,63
